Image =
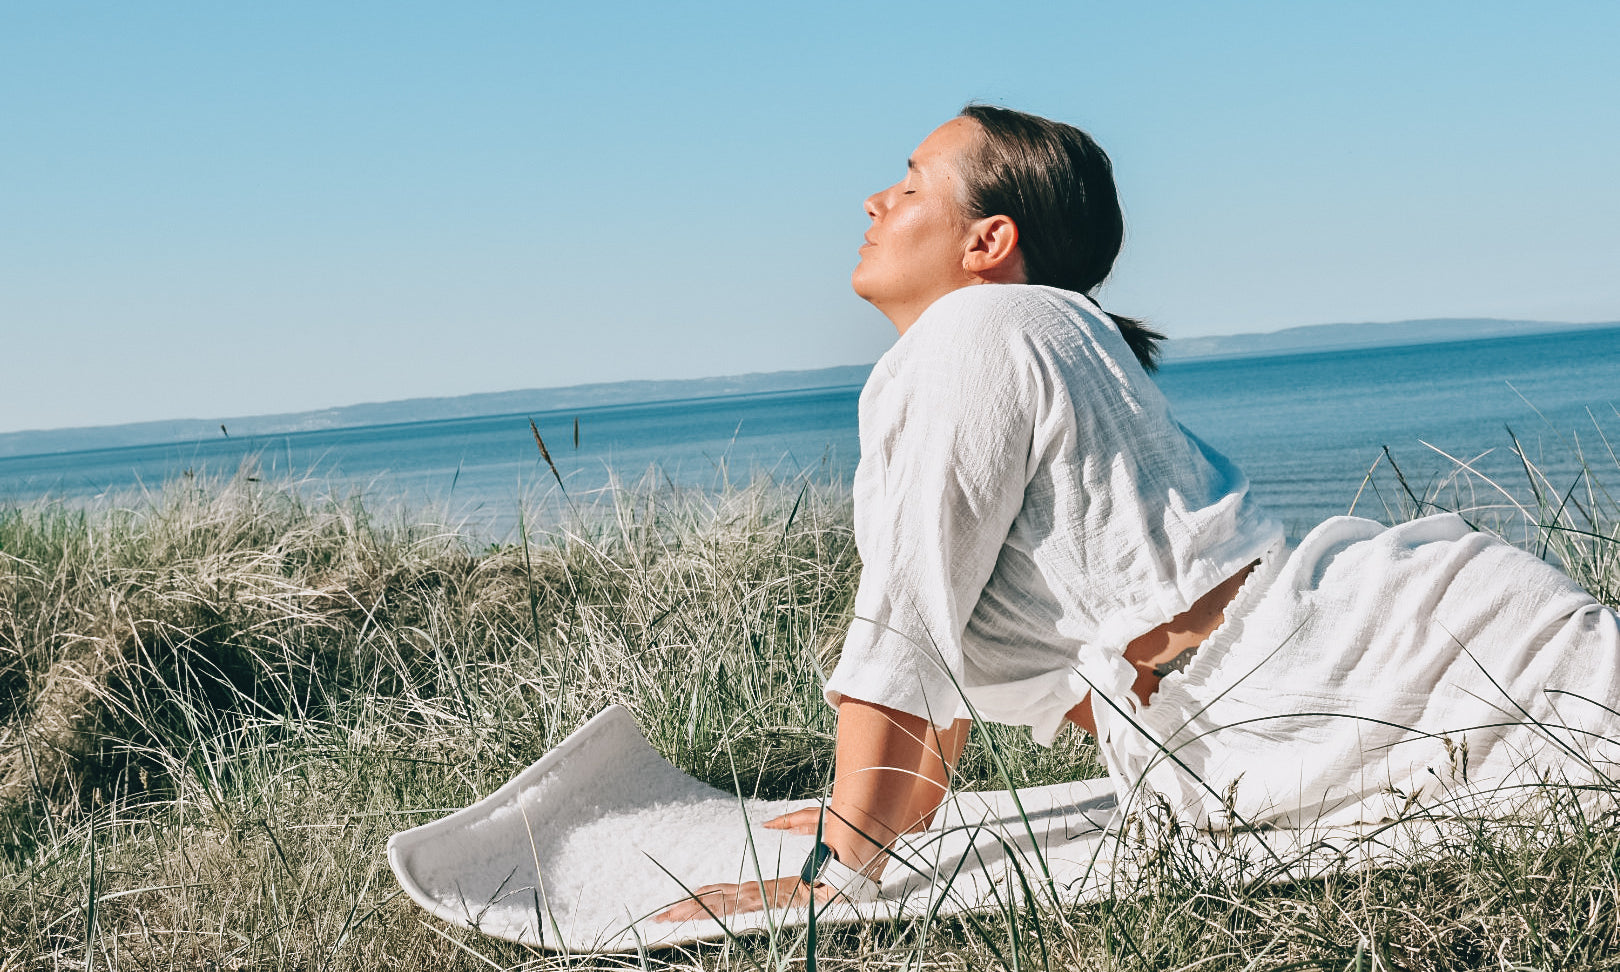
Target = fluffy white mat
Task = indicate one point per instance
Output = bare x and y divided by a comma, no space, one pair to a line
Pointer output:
579,850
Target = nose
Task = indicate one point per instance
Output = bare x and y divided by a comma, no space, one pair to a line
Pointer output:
874,203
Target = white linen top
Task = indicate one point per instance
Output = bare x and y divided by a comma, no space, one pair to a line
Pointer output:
1025,505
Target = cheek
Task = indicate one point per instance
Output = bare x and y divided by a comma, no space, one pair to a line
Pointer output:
907,223
924,230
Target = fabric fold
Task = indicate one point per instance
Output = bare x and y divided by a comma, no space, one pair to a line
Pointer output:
1025,505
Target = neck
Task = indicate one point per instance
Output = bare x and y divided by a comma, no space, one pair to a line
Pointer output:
902,316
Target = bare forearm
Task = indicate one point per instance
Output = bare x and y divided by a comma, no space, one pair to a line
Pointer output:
939,759
892,770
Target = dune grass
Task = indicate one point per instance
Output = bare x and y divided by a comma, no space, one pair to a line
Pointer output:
220,701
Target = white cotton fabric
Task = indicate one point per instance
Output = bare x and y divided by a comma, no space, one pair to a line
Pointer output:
1025,505
1376,670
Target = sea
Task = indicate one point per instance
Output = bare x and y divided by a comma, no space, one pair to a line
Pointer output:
1481,425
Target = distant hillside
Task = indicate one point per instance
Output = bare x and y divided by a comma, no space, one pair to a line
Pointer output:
426,410
1338,337
1315,337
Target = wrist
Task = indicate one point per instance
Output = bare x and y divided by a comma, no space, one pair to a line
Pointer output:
823,869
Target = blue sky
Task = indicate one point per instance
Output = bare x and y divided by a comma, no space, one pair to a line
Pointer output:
225,209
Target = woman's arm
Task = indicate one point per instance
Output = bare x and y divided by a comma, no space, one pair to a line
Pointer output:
939,760
890,773
950,421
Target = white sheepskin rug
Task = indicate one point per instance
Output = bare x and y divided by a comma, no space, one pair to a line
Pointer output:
580,850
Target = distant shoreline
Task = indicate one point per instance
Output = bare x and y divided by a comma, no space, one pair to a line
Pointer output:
1310,339
1352,337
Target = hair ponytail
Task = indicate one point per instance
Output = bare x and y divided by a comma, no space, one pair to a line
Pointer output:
1143,340
1057,186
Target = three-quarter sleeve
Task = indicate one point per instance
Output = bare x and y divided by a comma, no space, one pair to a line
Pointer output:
946,426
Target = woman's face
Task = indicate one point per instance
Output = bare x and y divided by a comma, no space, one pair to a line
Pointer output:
914,251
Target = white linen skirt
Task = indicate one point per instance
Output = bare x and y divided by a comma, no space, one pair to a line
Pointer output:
1377,669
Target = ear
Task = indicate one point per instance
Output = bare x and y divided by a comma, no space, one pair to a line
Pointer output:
992,250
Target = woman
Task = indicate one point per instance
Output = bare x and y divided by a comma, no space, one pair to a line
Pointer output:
1041,542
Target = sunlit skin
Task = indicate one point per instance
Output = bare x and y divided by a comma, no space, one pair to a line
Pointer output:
891,769
921,246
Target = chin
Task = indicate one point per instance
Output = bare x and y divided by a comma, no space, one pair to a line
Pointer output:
860,280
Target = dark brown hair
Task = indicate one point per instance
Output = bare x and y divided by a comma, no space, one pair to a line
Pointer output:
1057,186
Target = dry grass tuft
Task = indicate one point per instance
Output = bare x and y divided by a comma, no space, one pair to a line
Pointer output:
217,704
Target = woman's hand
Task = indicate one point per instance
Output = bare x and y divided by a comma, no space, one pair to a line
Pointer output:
891,770
719,900
806,822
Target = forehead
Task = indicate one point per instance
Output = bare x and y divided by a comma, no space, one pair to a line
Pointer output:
944,144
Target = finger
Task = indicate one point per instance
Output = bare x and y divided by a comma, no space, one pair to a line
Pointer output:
685,911
704,903
680,912
805,822
788,821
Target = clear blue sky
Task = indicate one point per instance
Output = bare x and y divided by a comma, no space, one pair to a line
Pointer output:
218,209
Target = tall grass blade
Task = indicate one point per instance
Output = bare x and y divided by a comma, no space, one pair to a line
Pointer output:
546,455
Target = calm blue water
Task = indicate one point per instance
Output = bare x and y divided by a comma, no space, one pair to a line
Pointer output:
1306,428
483,470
